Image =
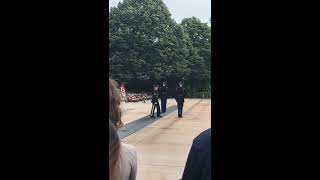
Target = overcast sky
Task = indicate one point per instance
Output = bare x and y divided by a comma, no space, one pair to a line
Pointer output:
184,8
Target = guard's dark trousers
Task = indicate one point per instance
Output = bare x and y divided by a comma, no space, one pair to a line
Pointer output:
180,109
163,105
154,105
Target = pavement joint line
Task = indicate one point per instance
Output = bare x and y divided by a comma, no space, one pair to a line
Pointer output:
140,123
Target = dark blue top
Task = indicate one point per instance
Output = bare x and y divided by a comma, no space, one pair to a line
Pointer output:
180,92
198,165
163,91
155,96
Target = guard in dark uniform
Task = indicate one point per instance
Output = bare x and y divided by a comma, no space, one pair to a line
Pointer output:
163,96
180,93
155,102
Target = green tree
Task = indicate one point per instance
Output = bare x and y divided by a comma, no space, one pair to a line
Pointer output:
199,56
145,43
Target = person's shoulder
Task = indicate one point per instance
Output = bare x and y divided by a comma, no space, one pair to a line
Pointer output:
203,139
129,149
205,134
130,155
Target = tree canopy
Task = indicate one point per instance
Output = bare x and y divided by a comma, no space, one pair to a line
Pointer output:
146,46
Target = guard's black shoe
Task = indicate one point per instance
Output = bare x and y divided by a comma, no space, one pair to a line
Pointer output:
159,116
152,116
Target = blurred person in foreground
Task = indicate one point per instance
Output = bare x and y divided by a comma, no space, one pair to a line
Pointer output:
198,164
122,157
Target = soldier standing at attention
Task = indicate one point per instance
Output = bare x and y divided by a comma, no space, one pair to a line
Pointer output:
155,102
180,93
163,96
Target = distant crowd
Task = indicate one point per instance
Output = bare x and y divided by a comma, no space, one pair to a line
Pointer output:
136,97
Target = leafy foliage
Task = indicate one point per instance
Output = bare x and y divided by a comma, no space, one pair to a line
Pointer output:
146,46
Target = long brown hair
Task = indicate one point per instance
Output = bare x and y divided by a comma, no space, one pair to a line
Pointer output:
114,150
114,104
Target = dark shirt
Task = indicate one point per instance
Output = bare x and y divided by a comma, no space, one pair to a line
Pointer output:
198,165
163,91
180,93
155,96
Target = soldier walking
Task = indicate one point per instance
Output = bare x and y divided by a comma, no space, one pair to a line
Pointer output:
155,101
163,96
180,93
